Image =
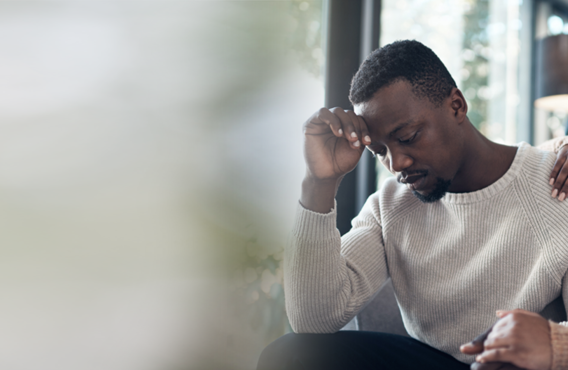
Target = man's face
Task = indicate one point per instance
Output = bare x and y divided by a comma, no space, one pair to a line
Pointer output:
415,140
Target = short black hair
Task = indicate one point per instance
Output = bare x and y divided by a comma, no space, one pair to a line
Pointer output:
407,60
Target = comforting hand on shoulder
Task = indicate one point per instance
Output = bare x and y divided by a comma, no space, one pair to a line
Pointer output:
559,174
520,338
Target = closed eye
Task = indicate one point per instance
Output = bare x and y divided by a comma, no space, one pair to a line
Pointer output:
409,139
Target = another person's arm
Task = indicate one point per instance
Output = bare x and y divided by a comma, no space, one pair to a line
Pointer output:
524,339
559,173
521,337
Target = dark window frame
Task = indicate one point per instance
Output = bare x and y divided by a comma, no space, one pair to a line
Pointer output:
353,28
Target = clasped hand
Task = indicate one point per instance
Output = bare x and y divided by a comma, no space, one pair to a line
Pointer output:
518,340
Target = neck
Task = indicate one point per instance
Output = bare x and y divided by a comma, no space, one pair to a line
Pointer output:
484,162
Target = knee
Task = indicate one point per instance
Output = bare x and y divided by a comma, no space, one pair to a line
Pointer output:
302,351
276,353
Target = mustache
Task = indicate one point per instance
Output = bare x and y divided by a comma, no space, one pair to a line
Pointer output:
411,173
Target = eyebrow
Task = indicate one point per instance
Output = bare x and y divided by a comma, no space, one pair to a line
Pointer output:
400,127
397,128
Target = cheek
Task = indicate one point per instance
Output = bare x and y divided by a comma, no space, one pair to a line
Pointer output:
441,150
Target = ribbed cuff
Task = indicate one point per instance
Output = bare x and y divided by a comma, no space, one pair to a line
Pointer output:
559,341
311,225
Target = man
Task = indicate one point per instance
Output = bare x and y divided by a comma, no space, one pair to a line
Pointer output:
468,227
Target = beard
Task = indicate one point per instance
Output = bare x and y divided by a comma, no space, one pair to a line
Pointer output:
438,193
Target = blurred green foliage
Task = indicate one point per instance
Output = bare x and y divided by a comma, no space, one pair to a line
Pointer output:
475,55
257,277
266,39
306,38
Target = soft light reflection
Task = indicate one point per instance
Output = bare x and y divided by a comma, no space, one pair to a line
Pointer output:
555,25
553,103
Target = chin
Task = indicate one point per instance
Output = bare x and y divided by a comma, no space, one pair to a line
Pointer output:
440,189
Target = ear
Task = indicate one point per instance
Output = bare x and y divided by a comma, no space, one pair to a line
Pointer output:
458,105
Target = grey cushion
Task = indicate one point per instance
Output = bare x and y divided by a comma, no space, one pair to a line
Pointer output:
382,313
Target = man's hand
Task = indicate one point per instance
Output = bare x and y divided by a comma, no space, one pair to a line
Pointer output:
520,338
333,143
559,174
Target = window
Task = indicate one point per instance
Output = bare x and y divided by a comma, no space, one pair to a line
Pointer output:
551,19
481,42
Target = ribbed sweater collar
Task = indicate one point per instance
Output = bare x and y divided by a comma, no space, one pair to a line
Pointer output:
497,186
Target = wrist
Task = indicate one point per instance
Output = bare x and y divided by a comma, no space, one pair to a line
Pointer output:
318,195
312,181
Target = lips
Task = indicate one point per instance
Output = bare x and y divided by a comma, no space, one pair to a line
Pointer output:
416,182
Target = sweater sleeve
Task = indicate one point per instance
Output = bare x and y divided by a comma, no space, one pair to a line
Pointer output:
559,335
559,341
328,278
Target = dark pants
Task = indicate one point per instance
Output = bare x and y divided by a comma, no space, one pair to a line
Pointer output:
348,350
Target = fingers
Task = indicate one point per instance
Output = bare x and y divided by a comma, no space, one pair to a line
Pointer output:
360,126
476,345
503,313
342,123
493,366
559,175
364,131
350,125
516,311
494,342
326,116
496,355
472,348
354,128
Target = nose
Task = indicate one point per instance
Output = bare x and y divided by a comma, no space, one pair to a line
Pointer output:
399,161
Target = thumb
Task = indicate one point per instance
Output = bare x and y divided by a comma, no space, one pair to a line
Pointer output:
502,313
471,348
476,345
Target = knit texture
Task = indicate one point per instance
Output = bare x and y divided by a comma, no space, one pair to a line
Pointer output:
453,263
559,340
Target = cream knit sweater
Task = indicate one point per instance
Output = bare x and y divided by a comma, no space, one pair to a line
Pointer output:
453,263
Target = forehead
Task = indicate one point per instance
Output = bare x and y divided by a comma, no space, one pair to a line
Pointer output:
393,105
